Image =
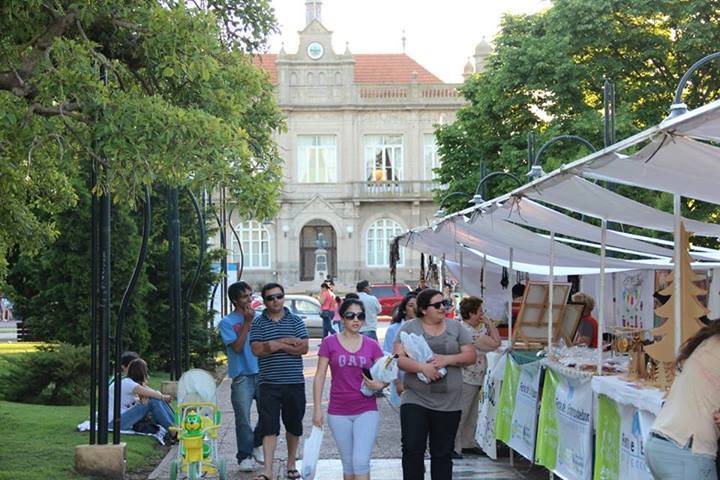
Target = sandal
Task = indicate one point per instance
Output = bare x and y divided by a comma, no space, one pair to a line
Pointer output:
262,476
293,474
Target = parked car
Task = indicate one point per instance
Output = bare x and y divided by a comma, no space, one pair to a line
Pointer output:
307,308
389,295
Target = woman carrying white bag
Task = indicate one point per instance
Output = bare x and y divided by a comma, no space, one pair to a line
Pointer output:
353,417
432,410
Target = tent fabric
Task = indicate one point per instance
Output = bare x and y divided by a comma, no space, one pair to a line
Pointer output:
525,212
672,164
585,197
672,161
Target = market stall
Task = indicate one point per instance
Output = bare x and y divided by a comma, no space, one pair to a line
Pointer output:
536,229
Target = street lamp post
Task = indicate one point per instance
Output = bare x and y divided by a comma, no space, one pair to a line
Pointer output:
678,107
478,198
536,170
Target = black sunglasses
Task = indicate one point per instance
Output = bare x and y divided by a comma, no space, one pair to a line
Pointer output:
352,315
276,296
443,303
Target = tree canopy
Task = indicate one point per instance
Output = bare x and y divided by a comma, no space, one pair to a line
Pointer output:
546,75
152,92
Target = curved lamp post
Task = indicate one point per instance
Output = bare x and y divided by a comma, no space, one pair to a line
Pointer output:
477,198
678,107
441,211
536,170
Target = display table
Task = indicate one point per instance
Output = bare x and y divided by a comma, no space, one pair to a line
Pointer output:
628,393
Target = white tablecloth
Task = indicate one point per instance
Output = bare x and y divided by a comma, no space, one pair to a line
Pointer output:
627,393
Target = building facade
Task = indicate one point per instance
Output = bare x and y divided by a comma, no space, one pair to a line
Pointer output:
359,156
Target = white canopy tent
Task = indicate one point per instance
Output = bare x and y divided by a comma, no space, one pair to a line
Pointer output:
675,160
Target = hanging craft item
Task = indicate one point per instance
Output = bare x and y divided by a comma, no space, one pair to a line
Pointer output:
433,273
504,280
422,267
394,258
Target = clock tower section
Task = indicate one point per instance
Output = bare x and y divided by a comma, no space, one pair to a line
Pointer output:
315,74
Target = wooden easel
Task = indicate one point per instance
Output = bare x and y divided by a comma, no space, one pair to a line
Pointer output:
530,328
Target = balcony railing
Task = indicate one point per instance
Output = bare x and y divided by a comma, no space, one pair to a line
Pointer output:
393,189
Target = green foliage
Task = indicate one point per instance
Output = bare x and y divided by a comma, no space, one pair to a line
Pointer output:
51,376
546,75
51,290
155,93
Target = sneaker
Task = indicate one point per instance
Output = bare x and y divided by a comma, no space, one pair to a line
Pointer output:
247,465
258,455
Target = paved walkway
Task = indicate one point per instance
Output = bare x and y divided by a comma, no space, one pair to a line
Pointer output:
386,455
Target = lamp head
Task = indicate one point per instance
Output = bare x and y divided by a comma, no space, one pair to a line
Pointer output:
536,172
477,199
440,213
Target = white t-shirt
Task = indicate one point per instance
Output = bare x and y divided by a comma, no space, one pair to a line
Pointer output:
372,310
127,398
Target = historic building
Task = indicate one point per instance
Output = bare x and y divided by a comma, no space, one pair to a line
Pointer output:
359,156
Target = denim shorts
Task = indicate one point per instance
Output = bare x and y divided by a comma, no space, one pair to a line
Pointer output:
669,460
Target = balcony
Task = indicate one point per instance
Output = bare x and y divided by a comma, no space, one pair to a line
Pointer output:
389,190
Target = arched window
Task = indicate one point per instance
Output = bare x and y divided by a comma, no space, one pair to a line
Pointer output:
255,245
379,236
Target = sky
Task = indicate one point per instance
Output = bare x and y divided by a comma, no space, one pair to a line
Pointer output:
440,34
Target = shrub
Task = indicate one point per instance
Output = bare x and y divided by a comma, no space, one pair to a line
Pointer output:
54,375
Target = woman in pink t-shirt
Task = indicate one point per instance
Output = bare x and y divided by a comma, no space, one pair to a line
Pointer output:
352,417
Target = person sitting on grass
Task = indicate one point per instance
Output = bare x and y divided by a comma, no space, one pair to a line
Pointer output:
138,401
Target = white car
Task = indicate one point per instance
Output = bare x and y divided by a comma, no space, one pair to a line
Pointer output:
307,308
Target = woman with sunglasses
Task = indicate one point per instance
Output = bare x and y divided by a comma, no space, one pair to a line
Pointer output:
352,417
432,410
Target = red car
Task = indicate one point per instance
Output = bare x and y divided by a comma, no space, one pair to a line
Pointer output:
389,295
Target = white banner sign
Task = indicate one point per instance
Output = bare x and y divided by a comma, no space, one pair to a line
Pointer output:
634,431
524,419
485,432
573,405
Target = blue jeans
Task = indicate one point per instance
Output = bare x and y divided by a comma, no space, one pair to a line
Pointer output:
243,390
159,411
327,316
668,460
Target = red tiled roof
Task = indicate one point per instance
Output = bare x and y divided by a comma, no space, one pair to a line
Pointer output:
369,68
266,61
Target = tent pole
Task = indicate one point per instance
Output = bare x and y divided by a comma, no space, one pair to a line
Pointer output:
551,288
601,309
677,279
510,301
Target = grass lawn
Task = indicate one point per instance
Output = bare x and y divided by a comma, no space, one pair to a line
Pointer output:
38,442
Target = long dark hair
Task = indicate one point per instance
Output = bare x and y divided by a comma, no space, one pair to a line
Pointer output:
138,371
400,313
693,342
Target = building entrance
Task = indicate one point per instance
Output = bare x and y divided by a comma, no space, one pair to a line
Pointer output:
317,234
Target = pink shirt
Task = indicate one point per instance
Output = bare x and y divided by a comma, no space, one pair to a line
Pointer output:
346,369
328,301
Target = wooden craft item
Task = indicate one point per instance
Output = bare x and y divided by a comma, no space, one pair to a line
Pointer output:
663,350
530,328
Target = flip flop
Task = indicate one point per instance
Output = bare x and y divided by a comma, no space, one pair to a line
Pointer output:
293,474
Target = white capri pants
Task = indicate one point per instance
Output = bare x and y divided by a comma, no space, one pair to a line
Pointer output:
355,437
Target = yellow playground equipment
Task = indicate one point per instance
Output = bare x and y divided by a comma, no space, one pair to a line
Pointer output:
197,421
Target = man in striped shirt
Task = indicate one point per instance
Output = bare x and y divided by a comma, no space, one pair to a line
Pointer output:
279,339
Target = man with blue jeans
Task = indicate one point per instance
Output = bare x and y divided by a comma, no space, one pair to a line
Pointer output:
243,369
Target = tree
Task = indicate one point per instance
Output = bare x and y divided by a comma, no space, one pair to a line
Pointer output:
154,93
546,75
